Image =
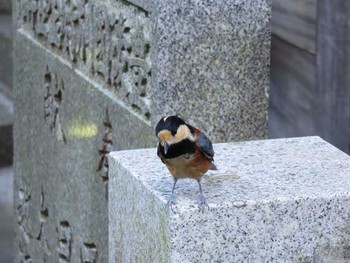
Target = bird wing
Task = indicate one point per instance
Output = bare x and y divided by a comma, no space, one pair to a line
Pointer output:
205,146
159,153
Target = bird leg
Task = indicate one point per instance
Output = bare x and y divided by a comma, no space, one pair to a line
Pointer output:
202,201
172,198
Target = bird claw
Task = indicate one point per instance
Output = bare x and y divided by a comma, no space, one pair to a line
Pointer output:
202,204
172,204
173,208
202,207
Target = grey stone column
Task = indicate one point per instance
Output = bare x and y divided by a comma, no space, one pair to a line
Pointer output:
80,91
211,65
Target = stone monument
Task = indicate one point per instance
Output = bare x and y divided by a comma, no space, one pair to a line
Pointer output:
94,76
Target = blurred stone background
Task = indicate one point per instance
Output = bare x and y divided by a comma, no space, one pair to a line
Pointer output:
6,122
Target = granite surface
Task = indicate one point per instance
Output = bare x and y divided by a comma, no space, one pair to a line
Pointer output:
65,126
211,65
108,41
332,255
147,5
270,201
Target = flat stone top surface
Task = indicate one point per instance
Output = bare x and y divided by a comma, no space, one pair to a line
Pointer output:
253,171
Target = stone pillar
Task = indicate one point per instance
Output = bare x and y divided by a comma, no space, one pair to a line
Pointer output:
95,76
81,73
211,65
270,201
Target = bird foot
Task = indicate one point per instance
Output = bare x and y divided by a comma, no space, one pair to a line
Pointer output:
172,204
202,204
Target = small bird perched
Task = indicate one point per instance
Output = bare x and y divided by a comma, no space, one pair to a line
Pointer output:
185,150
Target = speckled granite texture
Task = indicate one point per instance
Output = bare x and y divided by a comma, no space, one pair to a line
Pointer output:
332,255
211,65
207,61
270,201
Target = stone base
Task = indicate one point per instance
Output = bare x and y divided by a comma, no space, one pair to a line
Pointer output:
270,201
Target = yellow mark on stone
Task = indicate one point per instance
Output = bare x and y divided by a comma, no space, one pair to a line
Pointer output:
80,129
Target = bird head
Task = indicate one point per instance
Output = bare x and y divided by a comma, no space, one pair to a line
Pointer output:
171,130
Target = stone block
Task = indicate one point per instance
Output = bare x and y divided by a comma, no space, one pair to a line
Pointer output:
213,58
270,201
65,126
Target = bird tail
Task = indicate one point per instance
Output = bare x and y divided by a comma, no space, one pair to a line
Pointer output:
213,167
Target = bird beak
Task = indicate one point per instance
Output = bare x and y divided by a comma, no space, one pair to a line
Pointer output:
166,147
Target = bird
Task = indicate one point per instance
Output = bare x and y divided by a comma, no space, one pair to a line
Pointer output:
186,152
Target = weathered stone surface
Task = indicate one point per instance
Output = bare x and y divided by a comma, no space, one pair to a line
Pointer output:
207,61
332,255
211,65
147,5
66,125
270,201
108,41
